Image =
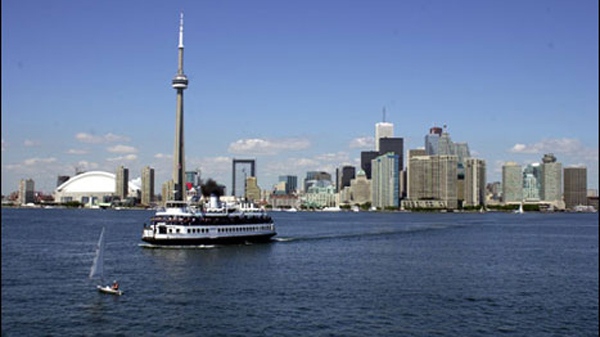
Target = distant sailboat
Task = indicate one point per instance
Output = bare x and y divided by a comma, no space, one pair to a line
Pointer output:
97,270
520,210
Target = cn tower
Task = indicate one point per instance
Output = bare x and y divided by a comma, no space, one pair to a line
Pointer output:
180,83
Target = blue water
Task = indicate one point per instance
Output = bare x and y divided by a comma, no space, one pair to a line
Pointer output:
328,274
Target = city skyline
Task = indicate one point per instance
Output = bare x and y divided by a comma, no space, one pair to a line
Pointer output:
87,86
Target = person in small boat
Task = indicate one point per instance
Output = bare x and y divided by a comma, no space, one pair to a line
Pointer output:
115,285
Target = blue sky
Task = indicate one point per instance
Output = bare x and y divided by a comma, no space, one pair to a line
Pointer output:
296,85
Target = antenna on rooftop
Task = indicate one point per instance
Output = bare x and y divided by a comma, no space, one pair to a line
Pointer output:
384,114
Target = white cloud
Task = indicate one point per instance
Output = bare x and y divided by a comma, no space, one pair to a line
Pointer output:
93,139
257,146
37,161
4,145
163,156
129,157
85,165
76,151
338,158
31,143
137,182
362,143
565,146
122,149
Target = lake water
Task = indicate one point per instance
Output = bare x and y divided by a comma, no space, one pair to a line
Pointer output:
326,274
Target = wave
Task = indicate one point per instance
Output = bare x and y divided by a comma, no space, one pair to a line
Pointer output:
408,230
151,246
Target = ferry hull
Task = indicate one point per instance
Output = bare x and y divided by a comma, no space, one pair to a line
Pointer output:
195,241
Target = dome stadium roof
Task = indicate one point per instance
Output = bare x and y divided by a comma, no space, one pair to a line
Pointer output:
96,182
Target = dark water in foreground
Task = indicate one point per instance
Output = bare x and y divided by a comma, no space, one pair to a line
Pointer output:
328,274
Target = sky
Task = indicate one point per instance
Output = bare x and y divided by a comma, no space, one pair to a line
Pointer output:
296,85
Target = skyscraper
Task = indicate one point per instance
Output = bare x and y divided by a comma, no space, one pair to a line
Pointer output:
122,182
26,191
179,83
512,182
432,140
344,176
317,179
147,186
291,183
360,188
474,182
383,130
433,178
575,189
385,187
240,171
394,145
532,175
551,181
365,161
445,144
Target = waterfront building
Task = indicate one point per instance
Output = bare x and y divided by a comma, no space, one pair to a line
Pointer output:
385,184
416,152
121,182
318,179
192,179
365,161
532,175
575,186
320,196
394,145
344,175
147,186
445,144
241,170
280,188
90,187
474,182
433,178
359,191
551,182
494,191
512,183
383,130
291,183
432,141
26,191
283,201
252,190
168,191
462,151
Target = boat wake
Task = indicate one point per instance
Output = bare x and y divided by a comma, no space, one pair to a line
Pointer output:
283,239
407,230
151,246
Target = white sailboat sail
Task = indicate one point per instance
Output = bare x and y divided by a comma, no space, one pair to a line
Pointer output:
98,264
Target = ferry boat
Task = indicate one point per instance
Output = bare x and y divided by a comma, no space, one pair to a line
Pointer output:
214,223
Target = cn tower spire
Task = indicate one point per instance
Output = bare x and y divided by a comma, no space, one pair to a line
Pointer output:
179,83
181,30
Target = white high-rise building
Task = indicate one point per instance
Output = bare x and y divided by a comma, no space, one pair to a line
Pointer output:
474,182
385,185
383,130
